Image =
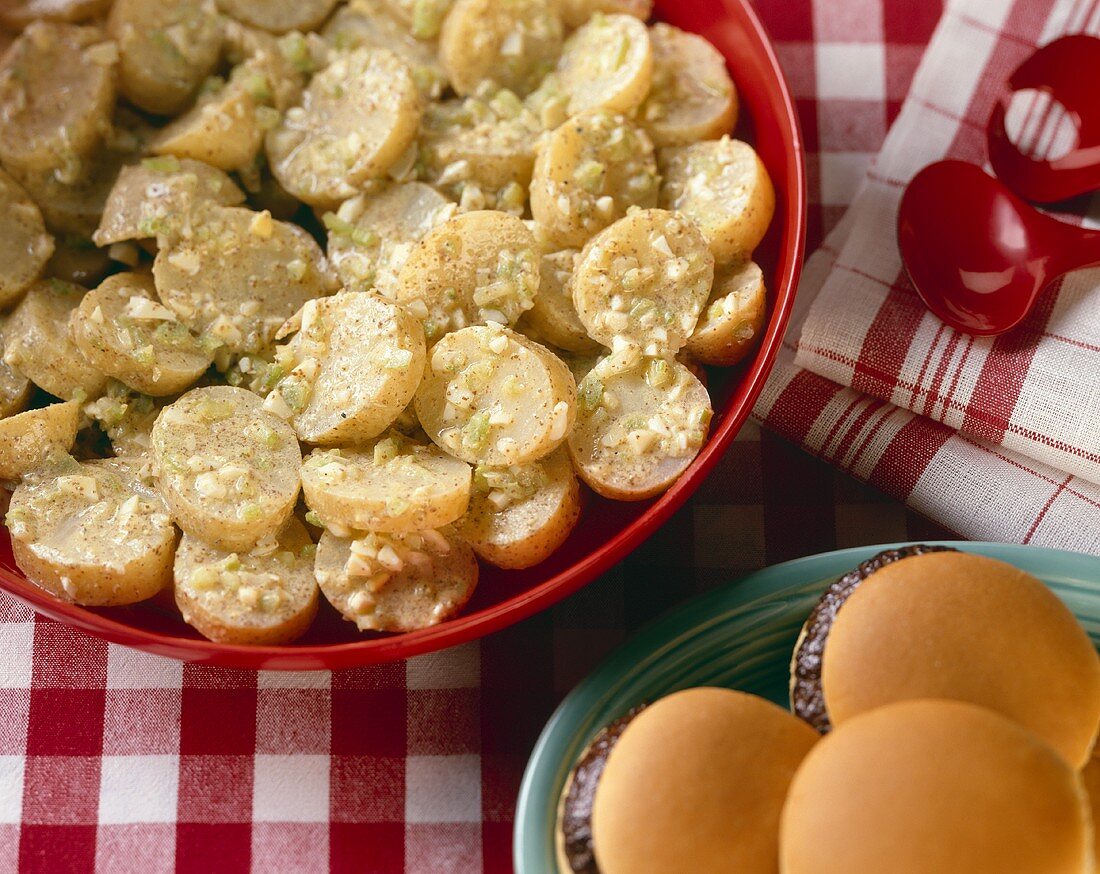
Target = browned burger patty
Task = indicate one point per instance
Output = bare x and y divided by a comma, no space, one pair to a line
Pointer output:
576,817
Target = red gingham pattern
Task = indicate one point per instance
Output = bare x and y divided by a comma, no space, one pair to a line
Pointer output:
995,437
115,761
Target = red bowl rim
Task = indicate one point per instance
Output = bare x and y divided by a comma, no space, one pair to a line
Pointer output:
524,604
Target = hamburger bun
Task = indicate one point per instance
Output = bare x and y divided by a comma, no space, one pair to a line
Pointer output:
696,782
969,628
1090,776
934,786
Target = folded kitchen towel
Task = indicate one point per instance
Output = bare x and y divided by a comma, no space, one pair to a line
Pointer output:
997,438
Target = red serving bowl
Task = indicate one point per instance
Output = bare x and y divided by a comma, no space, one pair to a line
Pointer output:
609,530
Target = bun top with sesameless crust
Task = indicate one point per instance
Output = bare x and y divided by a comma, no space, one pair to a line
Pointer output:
969,628
934,786
696,783
1090,776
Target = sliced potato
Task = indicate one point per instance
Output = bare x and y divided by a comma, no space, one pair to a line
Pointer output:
475,268
640,423
723,186
481,150
154,198
94,533
28,439
25,247
56,95
38,345
607,63
228,469
17,14
371,235
518,516
225,128
351,369
491,396
588,173
357,117
279,16
239,275
576,12
77,260
264,597
15,388
396,582
284,61
76,207
166,49
513,44
125,332
368,24
643,282
390,485
553,318
127,417
692,97
730,325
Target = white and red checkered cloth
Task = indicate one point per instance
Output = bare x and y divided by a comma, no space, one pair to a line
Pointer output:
997,438
115,761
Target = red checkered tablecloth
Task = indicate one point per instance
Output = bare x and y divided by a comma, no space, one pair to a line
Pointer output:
115,761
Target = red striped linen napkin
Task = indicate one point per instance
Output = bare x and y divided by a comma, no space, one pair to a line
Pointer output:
995,438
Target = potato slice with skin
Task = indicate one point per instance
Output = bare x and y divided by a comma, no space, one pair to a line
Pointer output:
588,173
125,332
491,396
367,24
94,533
56,95
76,207
513,44
17,14
37,342
25,247
357,117
371,235
640,423
475,268
723,186
396,582
15,389
643,282
553,319
27,439
692,97
228,470
154,198
519,516
352,368
279,16
576,12
166,49
264,597
390,485
239,275
733,318
481,147
607,63
225,128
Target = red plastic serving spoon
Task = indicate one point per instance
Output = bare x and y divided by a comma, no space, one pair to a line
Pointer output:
1066,70
979,255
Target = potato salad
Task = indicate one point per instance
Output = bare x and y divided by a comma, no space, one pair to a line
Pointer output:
323,304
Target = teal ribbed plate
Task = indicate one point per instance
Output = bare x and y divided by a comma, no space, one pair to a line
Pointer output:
740,636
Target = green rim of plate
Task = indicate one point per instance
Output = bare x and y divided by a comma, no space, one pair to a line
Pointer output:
741,636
